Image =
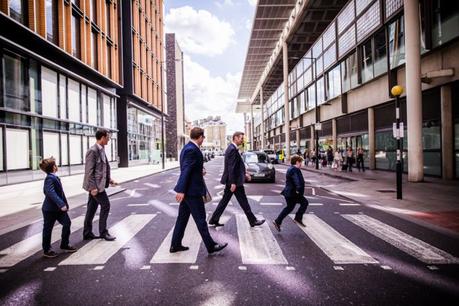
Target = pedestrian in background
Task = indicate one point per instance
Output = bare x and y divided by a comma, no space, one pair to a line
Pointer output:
337,160
360,156
55,207
97,177
330,157
350,159
293,193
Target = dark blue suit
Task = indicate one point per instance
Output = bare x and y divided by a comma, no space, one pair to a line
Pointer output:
54,201
191,183
293,193
233,173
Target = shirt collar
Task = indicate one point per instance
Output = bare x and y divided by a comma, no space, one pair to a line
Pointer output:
194,142
99,146
235,145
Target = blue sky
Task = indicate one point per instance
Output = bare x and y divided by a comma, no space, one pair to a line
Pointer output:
213,35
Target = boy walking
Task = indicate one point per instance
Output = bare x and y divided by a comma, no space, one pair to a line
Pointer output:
55,207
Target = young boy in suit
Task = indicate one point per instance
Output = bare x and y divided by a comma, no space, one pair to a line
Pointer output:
55,207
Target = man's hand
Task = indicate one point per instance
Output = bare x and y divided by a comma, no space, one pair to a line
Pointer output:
64,208
113,183
94,192
248,177
233,187
179,197
204,172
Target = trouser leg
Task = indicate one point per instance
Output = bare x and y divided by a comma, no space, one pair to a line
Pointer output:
180,224
303,206
64,219
227,194
90,212
49,218
287,209
104,203
244,203
196,207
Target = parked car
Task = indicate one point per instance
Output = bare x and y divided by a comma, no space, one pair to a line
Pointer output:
259,166
271,155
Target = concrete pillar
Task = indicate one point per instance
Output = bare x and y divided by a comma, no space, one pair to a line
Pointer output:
371,138
334,140
286,100
413,91
447,133
262,129
312,142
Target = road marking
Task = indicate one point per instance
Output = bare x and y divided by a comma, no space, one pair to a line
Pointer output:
132,193
194,267
433,268
174,204
50,269
338,268
242,268
138,205
313,190
408,244
349,204
276,191
191,239
271,204
256,198
290,268
98,252
152,185
31,245
386,268
98,268
223,220
337,247
257,244
316,204
146,267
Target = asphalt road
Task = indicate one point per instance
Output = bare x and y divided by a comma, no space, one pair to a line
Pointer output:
348,254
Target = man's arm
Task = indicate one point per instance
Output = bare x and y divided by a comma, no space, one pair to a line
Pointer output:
51,193
89,169
298,181
232,159
189,162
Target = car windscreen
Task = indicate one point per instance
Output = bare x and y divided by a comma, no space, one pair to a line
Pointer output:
255,158
269,152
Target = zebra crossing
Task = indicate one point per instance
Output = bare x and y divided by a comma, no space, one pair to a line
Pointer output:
257,246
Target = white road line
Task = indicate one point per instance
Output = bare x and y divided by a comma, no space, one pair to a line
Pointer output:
313,190
191,239
408,244
256,198
338,268
271,204
138,205
242,268
333,198
276,191
386,267
223,220
31,245
145,267
152,185
337,247
50,269
257,244
290,268
349,204
316,204
174,204
98,268
98,252
194,267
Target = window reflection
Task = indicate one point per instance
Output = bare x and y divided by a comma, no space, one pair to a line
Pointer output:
397,43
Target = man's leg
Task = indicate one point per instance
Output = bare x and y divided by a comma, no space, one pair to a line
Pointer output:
49,218
63,218
288,209
180,224
196,206
90,212
104,202
303,206
244,203
227,194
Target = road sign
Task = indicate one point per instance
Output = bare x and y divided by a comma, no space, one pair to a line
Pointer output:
318,126
400,131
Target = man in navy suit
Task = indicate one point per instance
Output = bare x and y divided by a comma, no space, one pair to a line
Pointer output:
191,189
233,178
293,193
55,207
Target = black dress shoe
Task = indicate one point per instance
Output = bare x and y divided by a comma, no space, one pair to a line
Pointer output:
257,223
277,226
218,247
216,224
299,222
180,248
49,254
108,237
68,249
90,236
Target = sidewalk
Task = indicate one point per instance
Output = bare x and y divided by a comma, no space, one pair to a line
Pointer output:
434,201
20,197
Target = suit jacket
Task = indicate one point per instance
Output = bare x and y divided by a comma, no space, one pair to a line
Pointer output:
97,170
191,181
294,184
234,168
54,194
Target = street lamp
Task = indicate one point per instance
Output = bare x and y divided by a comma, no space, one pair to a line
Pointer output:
396,91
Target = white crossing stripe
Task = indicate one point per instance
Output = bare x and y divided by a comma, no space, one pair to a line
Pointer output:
191,239
271,204
337,247
257,244
152,185
98,252
50,269
31,245
138,205
316,204
256,198
349,204
408,244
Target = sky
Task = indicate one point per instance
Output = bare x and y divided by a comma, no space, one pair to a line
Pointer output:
213,35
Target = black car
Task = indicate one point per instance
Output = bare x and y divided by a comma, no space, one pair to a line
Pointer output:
259,166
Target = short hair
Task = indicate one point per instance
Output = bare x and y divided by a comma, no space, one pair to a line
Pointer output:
295,159
196,132
237,134
47,165
101,133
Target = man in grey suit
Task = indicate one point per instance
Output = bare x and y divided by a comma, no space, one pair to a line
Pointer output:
96,179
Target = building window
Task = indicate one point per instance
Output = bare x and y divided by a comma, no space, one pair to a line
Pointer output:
311,97
397,43
76,2
64,149
76,37
333,80
445,25
108,12
51,146
49,92
106,111
75,152
380,60
109,61
51,21
94,50
18,10
320,91
84,104
93,10
74,100
62,97
92,107
15,90
18,149
349,72
367,61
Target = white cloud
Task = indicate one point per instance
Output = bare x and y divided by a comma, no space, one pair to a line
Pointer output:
253,2
225,2
198,31
208,95
248,24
